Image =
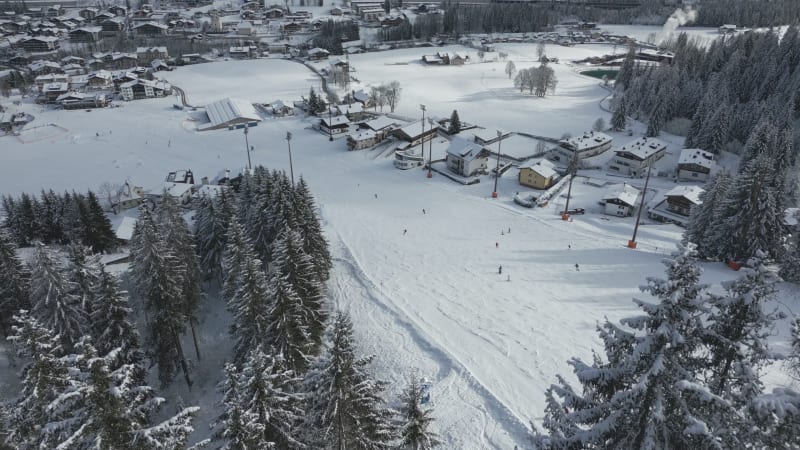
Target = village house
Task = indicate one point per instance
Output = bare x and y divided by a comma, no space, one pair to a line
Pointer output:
242,52
540,175
81,100
85,34
88,13
634,157
51,91
144,55
274,13
589,144
280,108
413,133
382,126
620,200
150,29
118,10
291,27
334,125
677,205
39,44
41,80
695,164
371,14
127,197
317,54
466,158
101,79
361,139
141,89
45,67
120,78
354,111
181,192
363,97
158,65
113,25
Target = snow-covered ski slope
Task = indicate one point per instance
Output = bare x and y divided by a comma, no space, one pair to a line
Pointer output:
429,302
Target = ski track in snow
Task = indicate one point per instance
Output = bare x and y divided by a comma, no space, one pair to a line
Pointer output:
415,336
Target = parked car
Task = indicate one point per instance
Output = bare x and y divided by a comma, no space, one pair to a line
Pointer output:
576,211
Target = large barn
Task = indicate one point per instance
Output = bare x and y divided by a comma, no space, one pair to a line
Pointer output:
230,113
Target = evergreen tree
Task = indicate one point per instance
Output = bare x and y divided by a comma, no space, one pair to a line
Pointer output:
699,230
157,275
249,306
657,118
211,227
737,334
296,268
346,409
43,379
648,394
108,409
793,362
238,249
314,242
627,70
455,124
267,393
83,270
178,238
619,119
112,328
287,327
14,282
416,434
239,427
97,231
750,218
53,298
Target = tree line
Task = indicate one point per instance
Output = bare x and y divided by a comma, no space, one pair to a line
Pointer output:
55,218
294,379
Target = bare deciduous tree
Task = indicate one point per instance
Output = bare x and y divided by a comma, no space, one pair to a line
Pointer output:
392,94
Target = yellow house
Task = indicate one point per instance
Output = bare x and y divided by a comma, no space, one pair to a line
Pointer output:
538,176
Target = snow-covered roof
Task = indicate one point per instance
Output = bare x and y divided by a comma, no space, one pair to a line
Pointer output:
589,140
362,135
790,216
380,123
543,168
361,95
57,86
176,189
689,192
317,50
74,95
210,190
643,147
228,109
696,156
335,120
463,148
625,193
151,49
124,230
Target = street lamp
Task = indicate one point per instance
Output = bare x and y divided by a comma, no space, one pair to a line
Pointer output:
430,150
573,170
247,147
330,120
497,169
289,144
422,138
632,242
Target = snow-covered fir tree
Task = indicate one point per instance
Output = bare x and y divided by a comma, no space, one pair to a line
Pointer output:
83,270
297,269
110,409
750,218
44,377
700,229
54,300
97,231
268,396
179,240
287,324
314,242
14,282
212,216
157,275
346,409
249,307
238,427
112,323
619,118
238,249
648,394
737,332
416,419
455,122
793,361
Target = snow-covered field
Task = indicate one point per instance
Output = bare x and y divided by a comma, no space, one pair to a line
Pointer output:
430,300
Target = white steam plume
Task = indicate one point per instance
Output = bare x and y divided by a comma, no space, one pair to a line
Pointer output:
678,18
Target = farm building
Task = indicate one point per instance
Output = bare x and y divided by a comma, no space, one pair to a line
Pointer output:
230,113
